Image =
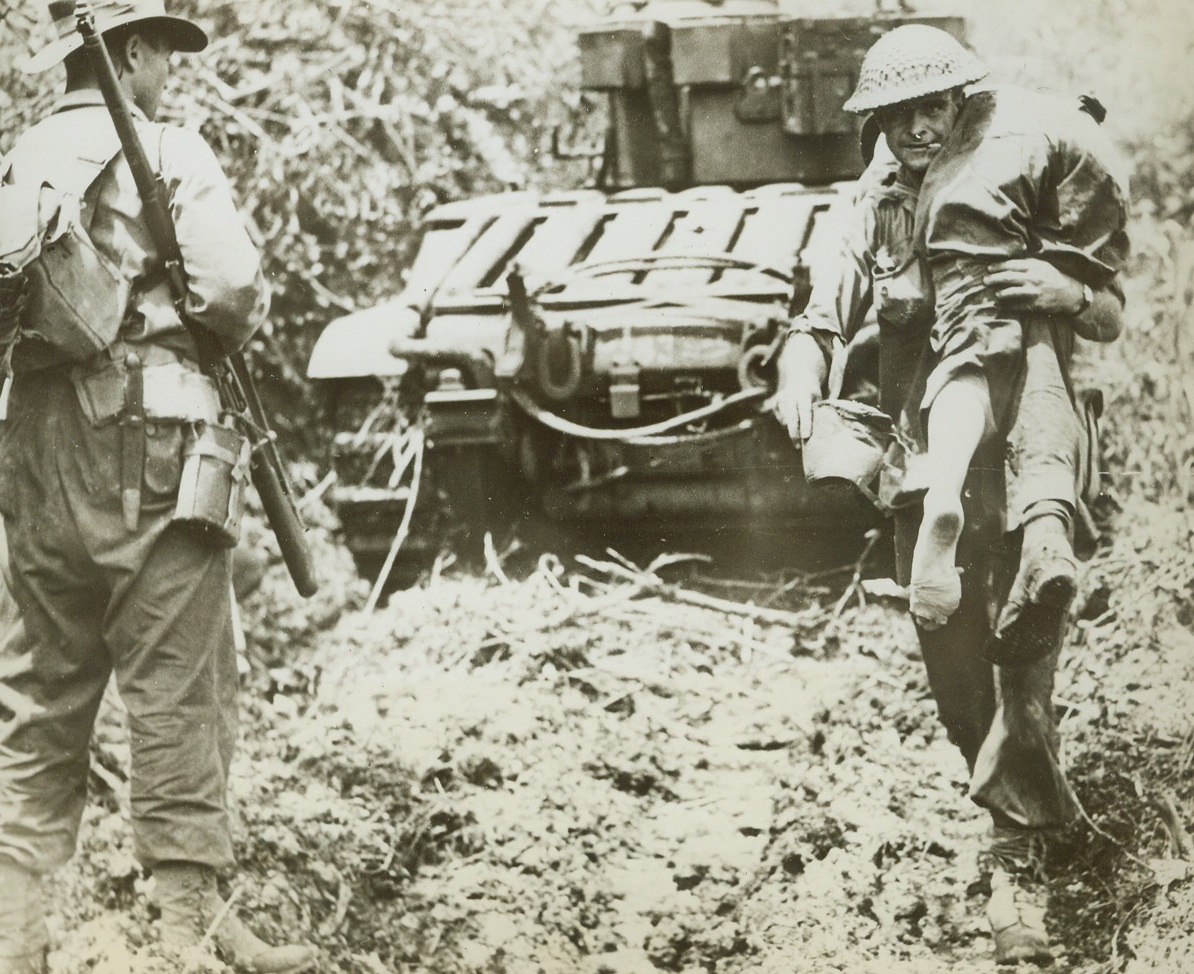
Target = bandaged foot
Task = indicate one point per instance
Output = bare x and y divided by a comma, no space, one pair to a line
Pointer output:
1030,624
1019,897
935,589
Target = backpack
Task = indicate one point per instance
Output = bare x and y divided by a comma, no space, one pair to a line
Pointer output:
54,284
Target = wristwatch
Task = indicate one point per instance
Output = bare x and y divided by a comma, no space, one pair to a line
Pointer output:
1087,299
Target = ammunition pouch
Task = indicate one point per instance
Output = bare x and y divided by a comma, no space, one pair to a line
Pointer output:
142,386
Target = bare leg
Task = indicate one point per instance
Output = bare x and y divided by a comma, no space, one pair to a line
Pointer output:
959,420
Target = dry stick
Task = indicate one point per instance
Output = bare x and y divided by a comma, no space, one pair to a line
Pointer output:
215,925
403,454
855,586
575,611
734,583
403,528
1171,818
492,562
546,569
321,488
218,104
377,112
667,561
343,899
634,612
1113,963
1187,753
622,560
655,609
803,579
656,586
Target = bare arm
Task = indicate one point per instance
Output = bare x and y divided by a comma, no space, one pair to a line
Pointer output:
839,302
1034,284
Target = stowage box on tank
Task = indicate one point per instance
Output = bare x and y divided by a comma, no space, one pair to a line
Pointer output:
606,353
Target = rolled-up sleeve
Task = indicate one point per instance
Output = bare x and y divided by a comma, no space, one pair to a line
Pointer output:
226,288
841,294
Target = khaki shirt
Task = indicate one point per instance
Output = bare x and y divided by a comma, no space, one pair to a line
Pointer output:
1035,178
226,289
876,245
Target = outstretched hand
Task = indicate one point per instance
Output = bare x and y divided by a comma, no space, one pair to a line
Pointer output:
802,372
1028,283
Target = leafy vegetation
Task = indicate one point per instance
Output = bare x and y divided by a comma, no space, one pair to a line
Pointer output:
443,786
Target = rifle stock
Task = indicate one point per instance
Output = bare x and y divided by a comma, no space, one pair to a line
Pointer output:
238,395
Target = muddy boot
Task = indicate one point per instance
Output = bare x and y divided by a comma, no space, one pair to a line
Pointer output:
191,906
1040,598
1019,897
24,938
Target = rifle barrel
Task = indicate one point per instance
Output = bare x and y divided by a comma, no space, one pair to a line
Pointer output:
235,384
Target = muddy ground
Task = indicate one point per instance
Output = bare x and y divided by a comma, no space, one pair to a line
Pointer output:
563,767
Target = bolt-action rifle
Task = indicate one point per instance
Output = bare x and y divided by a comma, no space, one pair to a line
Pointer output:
230,372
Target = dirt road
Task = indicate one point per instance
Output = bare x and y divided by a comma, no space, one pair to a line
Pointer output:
569,772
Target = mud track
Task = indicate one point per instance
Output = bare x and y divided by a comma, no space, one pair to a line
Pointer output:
575,771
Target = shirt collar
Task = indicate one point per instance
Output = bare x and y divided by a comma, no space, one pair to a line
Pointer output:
90,98
901,180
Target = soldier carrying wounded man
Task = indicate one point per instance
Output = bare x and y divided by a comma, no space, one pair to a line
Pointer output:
994,239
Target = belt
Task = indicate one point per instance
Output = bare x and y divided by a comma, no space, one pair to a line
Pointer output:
171,390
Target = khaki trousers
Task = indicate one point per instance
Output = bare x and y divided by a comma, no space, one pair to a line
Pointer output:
151,606
1000,718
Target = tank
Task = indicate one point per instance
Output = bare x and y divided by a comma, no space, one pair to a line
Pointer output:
603,356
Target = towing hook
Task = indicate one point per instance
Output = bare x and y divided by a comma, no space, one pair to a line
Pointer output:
756,368
476,368
558,364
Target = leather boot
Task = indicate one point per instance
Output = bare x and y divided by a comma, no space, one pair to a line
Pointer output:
1039,601
24,938
191,905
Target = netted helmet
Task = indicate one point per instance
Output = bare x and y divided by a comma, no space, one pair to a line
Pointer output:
910,62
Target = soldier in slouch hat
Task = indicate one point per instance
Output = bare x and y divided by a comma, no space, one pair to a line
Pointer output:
107,580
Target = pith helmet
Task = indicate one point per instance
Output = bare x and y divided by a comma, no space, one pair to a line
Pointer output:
910,62
181,34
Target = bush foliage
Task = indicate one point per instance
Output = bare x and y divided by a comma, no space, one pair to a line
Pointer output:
341,123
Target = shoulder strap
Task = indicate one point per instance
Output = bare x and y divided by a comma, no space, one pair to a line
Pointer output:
45,160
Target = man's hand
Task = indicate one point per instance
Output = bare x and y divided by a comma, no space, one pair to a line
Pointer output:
802,372
1034,285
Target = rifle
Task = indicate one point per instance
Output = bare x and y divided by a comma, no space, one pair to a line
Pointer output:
229,372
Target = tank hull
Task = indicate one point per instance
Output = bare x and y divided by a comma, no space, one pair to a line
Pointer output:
603,357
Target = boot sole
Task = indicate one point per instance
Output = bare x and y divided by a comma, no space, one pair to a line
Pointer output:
1033,634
